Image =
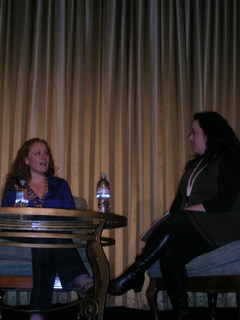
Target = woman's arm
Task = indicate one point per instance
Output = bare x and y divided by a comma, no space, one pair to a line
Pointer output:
9,197
228,188
68,201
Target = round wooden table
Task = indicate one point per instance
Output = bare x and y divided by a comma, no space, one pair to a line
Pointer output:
84,228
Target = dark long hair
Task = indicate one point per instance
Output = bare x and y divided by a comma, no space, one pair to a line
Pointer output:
20,170
221,139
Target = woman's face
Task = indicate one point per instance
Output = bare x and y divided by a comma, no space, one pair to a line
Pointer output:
197,138
38,158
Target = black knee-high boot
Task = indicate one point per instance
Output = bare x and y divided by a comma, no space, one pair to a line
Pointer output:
133,277
176,285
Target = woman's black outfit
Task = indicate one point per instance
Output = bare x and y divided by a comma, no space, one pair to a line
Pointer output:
184,234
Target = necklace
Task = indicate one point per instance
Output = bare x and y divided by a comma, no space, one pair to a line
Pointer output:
40,202
192,179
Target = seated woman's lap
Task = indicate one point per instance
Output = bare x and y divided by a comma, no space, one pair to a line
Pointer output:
185,244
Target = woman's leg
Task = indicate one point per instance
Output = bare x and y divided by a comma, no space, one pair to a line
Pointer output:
71,270
46,263
133,277
185,246
176,284
44,272
175,227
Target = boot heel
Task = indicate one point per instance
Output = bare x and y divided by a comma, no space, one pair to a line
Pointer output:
139,286
122,284
137,289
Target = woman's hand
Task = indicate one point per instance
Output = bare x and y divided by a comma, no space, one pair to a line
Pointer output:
196,207
31,194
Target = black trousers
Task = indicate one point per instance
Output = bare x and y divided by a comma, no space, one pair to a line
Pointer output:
46,263
185,244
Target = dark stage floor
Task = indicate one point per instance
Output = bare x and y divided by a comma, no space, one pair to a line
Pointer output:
123,313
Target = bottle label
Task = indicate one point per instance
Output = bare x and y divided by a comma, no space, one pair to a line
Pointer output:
103,192
21,198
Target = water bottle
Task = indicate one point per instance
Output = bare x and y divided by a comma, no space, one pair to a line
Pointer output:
103,193
22,194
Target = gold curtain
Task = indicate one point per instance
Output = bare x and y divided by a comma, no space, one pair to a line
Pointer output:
112,86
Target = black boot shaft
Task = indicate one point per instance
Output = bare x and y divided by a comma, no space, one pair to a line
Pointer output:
133,277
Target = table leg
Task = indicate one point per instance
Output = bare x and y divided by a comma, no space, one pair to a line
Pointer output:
100,267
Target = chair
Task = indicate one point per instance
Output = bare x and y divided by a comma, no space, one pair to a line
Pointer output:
213,272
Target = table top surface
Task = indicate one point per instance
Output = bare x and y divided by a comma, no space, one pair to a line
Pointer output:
64,216
48,223
20,223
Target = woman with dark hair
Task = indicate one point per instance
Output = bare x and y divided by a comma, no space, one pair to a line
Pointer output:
204,215
34,164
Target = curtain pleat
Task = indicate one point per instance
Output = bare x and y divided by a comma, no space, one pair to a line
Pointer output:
112,86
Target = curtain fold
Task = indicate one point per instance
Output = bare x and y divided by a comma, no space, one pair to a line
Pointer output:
112,86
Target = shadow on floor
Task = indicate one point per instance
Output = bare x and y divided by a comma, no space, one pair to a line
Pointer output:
123,313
